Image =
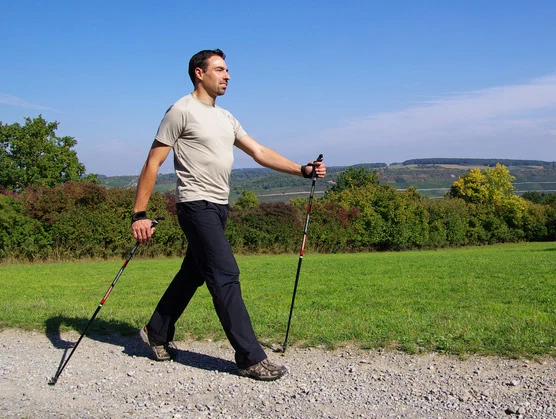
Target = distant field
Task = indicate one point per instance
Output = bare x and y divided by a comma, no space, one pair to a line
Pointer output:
432,180
488,300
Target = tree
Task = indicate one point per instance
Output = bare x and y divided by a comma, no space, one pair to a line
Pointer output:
540,197
377,217
355,178
247,199
492,190
32,154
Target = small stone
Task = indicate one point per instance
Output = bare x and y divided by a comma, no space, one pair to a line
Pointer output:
464,396
510,410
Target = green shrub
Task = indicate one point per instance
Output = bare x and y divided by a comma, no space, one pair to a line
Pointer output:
21,237
448,222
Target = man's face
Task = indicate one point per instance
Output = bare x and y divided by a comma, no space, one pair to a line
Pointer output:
215,78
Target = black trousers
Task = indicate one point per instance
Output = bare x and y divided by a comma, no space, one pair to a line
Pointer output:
208,259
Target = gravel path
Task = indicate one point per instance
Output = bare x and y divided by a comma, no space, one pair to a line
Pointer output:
114,377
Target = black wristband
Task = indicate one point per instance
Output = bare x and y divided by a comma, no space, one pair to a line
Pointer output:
305,175
139,215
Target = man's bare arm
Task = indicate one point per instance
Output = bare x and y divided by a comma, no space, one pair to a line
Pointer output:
142,230
269,158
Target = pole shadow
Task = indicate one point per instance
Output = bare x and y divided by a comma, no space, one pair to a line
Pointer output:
106,332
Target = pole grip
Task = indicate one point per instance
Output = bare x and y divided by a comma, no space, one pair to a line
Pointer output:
314,172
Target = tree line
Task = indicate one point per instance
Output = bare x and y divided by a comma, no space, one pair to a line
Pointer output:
58,213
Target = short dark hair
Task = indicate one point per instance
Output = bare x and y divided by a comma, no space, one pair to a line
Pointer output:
200,60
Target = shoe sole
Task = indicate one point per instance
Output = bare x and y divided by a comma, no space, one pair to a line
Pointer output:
145,338
245,373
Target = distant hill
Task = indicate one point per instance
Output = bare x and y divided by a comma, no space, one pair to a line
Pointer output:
480,162
431,177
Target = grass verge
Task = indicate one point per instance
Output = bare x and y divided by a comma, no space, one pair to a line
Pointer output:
495,300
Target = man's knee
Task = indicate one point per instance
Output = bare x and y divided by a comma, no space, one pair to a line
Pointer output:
223,283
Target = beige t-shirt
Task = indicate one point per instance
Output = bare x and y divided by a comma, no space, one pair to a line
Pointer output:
202,137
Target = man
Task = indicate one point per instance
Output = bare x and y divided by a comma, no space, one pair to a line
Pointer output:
202,136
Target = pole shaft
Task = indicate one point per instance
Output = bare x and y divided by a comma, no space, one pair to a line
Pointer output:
129,256
301,253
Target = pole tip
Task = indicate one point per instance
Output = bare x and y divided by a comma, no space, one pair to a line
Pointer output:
52,381
278,348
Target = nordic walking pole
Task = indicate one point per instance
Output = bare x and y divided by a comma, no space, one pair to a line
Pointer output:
302,251
54,379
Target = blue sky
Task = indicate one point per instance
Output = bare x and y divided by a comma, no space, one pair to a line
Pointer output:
359,81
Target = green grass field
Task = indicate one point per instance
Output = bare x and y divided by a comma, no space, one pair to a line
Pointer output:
486,300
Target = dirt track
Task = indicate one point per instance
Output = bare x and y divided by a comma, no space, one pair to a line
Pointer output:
114,377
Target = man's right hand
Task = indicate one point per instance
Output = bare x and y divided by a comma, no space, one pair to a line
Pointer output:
142,230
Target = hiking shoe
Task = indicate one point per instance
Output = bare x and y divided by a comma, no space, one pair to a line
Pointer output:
264,371
161,351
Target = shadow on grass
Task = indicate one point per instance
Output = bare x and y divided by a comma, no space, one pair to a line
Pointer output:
125,335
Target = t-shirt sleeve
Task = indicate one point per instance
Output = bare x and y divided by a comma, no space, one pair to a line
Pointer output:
238,129
171,127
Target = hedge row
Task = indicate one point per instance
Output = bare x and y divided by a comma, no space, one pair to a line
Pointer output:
78,220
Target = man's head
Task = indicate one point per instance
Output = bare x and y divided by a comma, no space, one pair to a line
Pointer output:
209,74
200,60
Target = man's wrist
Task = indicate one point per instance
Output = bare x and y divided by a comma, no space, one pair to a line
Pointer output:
139,215
304,172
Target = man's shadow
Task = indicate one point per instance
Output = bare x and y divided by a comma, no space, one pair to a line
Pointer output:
128,337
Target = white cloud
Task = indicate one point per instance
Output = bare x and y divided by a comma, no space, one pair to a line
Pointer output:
515,121
10,100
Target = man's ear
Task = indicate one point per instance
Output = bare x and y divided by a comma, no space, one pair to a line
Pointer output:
199,73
